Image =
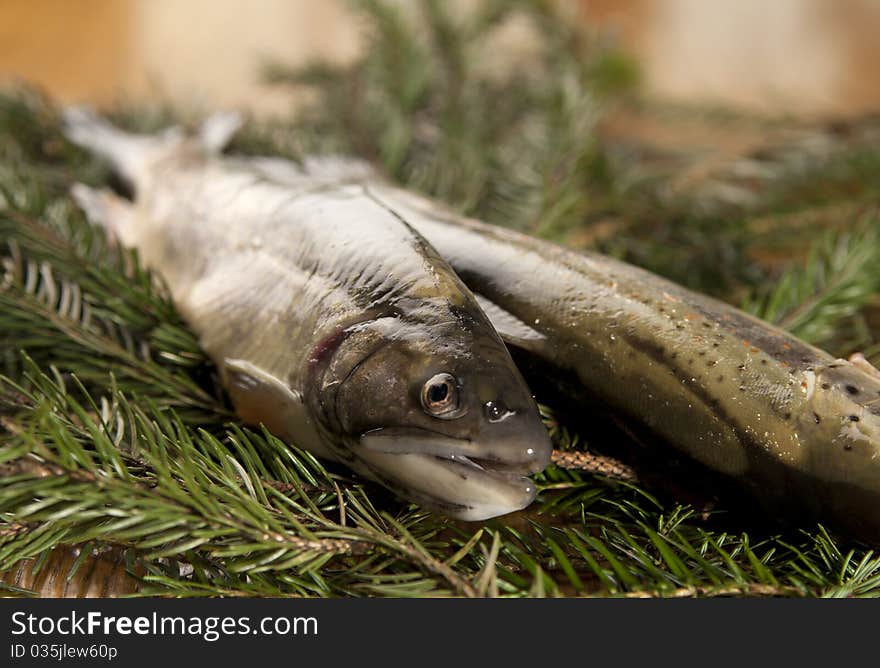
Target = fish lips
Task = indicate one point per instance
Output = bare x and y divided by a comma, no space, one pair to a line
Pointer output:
453,475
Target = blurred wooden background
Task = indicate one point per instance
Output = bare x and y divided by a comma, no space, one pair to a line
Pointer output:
771,55
202,52
799,56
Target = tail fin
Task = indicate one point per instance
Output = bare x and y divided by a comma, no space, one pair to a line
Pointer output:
218,129
130,154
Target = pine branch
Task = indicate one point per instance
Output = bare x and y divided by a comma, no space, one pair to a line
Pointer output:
738,590
839,278
111,314
585,461
114,433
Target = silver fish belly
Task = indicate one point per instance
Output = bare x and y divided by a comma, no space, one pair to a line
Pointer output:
331,320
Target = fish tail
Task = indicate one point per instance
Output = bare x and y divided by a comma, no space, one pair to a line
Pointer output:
130,154
218,129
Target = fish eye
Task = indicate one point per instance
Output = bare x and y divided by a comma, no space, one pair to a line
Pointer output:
440,396
496,411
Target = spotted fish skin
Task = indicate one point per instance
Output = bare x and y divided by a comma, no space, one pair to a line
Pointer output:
788,422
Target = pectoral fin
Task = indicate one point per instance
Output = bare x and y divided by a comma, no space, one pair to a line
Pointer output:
511,329
261,398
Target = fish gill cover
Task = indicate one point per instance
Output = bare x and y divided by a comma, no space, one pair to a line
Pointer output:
119,452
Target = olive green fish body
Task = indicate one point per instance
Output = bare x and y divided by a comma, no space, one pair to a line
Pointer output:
788,421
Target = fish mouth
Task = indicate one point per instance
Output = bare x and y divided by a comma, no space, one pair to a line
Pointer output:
456,476
519,458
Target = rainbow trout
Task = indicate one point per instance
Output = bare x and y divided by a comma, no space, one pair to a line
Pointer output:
332,322
795,427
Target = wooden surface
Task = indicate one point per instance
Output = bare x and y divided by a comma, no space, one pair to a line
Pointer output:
66,573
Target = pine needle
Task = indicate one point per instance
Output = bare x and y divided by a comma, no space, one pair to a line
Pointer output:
115,434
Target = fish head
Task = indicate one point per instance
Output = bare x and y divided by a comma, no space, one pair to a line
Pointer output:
444,418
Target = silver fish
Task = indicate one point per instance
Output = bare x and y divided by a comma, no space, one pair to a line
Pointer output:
330,319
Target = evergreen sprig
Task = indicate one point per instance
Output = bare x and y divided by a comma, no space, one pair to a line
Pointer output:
839,277
115,437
